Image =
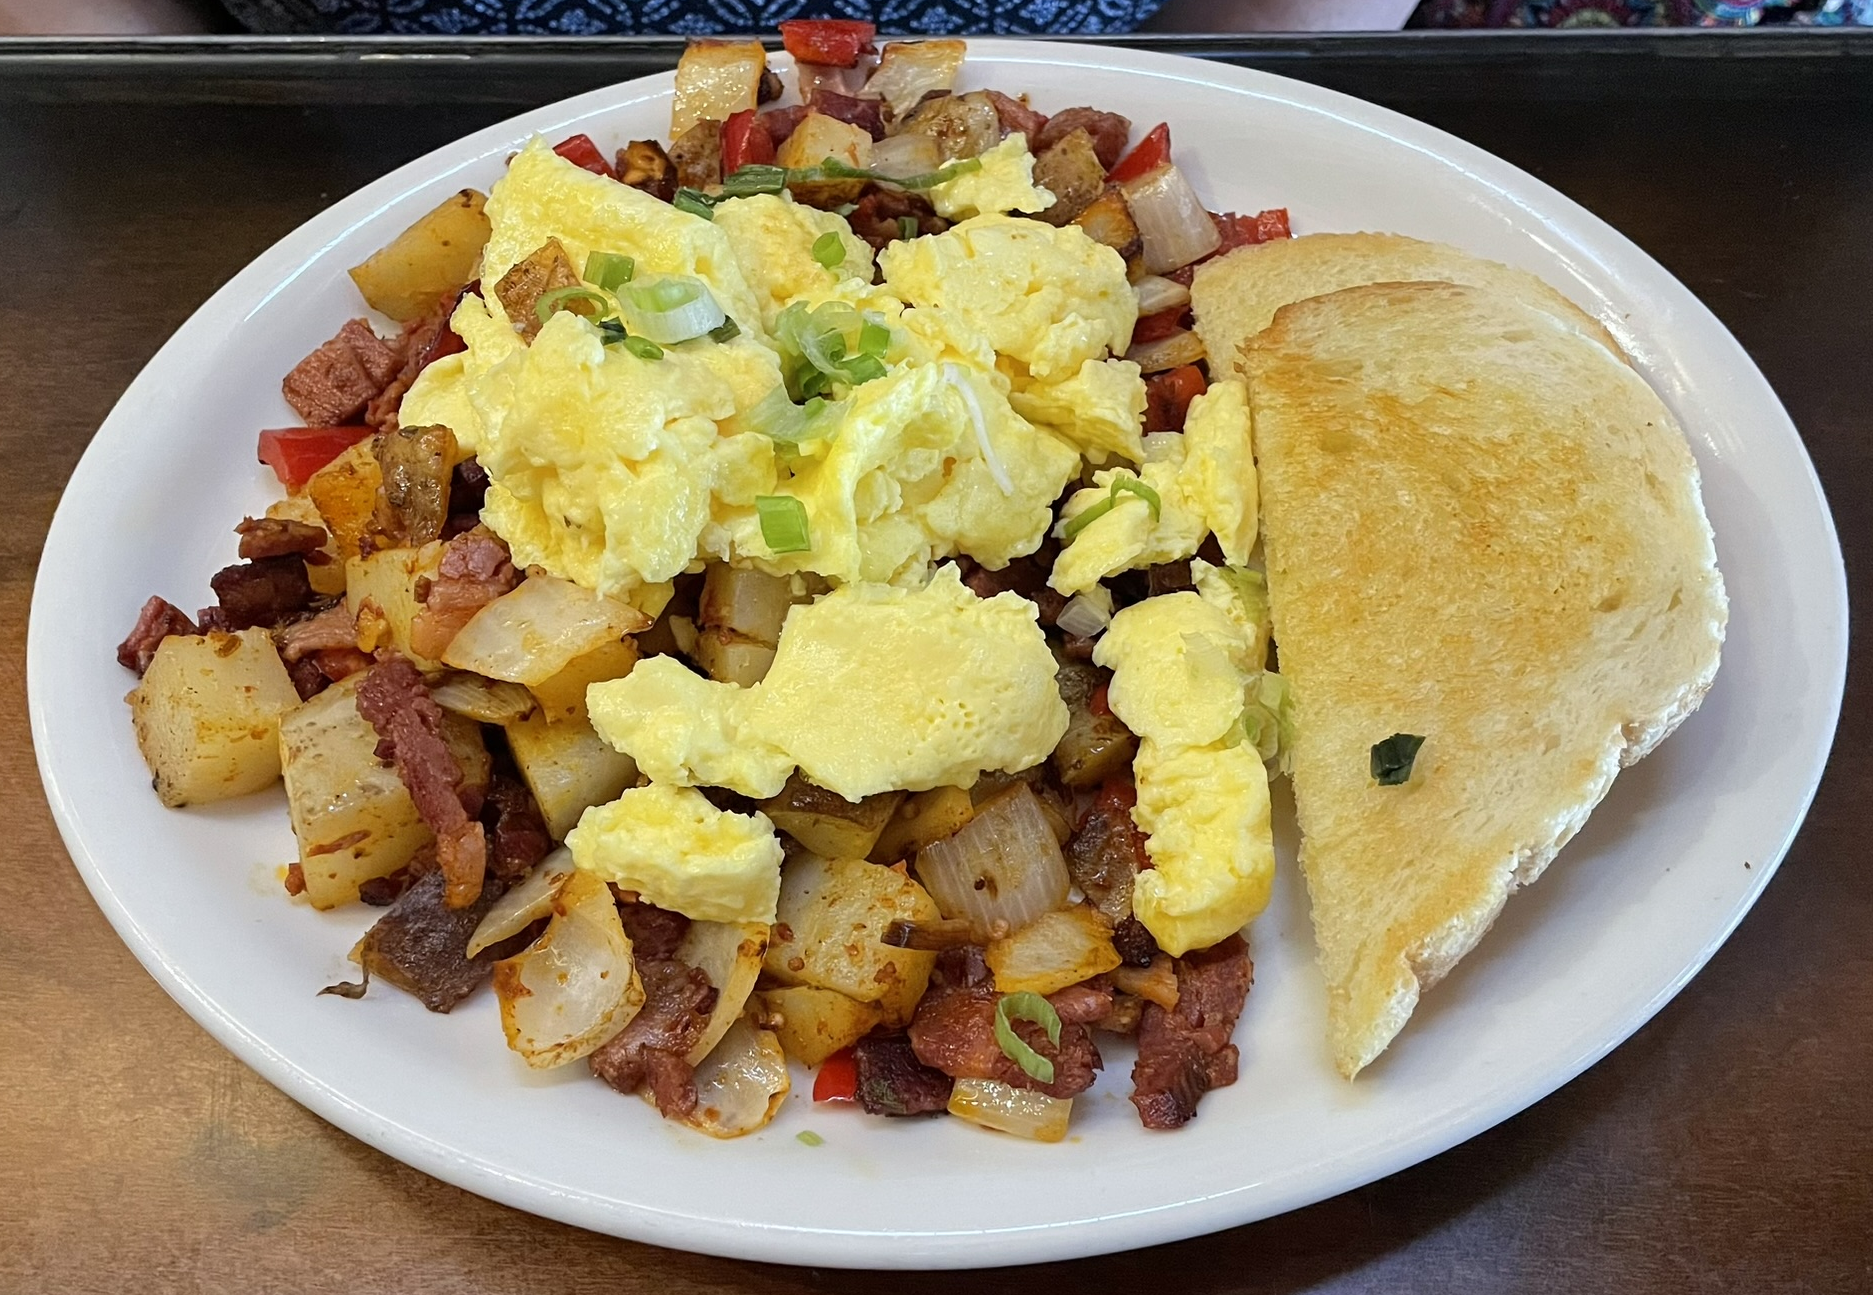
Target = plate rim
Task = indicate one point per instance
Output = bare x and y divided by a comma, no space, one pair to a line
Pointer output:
865,1247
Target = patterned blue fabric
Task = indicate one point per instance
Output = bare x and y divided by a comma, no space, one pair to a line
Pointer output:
683,17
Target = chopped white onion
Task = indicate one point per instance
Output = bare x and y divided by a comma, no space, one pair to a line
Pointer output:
491,701
695,310
530,899
1156,293
908,70
1001,871
741,1083
1007,1109
1171,220
1173,352
996,469
1083,617
1160,446
901,156
729,954
574,987
532,632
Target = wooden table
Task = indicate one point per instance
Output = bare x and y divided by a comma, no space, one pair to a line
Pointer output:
1727,1147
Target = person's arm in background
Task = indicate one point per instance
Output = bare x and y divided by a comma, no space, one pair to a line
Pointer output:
106,18
1281,15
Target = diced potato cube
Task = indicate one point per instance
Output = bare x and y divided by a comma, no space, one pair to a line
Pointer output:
1053,951
727,657
562,696
1007,1109
830,921
388,580
207,715
753,604
817,138
327,577
345,493
908,70
1108,219
812,1024
922,818
568,767
827,823
433,257
715,79
350,811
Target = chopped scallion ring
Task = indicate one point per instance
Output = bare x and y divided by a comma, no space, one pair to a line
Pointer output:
564,298
728,332
783,523
643,348
695,202
1087,516
1143,491
874,339
1026,1007
609,270
670,308
1392,759
907,227
829,249
807,1137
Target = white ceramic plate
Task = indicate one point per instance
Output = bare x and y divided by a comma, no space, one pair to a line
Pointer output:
1632,909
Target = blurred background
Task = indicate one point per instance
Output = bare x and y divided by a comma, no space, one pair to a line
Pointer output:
931,17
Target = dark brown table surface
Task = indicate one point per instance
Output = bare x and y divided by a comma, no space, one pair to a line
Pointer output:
1727,1147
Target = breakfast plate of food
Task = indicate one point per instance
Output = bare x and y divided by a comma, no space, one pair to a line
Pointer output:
936,653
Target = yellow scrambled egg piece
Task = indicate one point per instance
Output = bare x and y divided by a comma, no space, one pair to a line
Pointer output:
678,851
1004,182
873,688
1181,666
1100,409
1204,481
1047,299
773,236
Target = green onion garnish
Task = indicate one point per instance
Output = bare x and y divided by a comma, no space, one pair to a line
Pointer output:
1093,512
833,169
758,177
611,332
1392,759
874,339
664,294
609,270
863,368
783,523
643,348
829,249
1027,1007
907,227
563,298
809,1138
1087,516
1143,491
695,202
728,332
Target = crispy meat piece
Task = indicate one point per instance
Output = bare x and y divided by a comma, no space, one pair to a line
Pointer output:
954,1031
425,339
866,114
1084,1003
278,537
342,662
413,497
697,155
1108,130
892,1081
1025,576
156,621
332,385
1106,851
1134,941
268,591
517,836
1019,119
475,570
1070,170
1168,578
332,628
420,945
395,701
1184,1053
308,680
652,1048
782,122
655,932
877,218
963,968
643,164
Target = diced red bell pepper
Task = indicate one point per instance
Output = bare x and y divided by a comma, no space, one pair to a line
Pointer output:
1151,152
1118,794
1168,397
295,453
1155,328
583,153
829,42
1242,231
837,1080
1100,703
745,142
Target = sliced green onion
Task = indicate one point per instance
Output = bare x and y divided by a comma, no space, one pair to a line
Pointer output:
784,422
562,298
829,249
643,348
809,1138
874,339
728,332
1087,516
1143,491
1027,1007
670,308
666,292
833,169
783,523
863,368
611,332
1393,758
609,270
907,227
757,177
695,202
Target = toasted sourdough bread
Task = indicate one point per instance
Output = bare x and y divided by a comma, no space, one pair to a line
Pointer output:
1482,528
1235,296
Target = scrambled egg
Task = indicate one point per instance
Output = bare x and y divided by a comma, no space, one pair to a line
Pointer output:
678,851
1005,182
773,236
1204,483
1100,409
873,688
1181,669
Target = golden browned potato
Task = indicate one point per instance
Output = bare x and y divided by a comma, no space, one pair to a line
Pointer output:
921,818
1108,219
350,811
753,604
729,658
715,79
380,594
812,1024
541,271
697,155
817,138
827,823
430,259
562,696
207,715
1069,170
1096,745
345,493
908,70
830,920
568,768
963,125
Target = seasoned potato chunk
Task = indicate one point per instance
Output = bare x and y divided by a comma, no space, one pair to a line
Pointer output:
922,818
345,493
715,79
831,917
352,816
568,767
827,823
433,257
562,696
812,1024
207,715
388,581
817,138
1053,951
